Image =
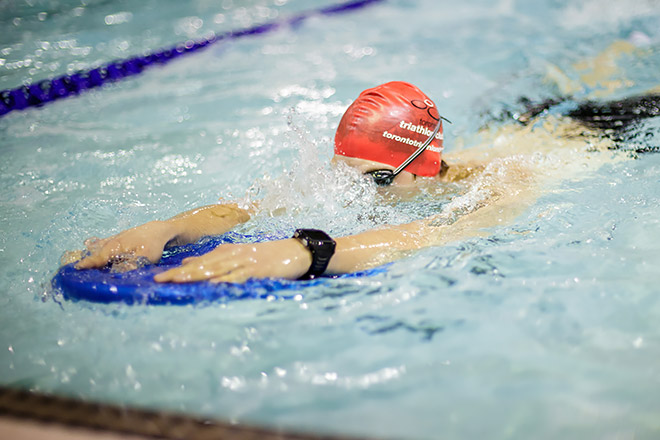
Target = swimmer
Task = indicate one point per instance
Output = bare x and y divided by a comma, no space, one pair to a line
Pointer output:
393,135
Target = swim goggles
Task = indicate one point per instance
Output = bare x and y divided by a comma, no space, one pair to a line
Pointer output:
386,177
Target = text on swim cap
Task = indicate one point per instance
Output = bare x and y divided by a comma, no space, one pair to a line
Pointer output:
416,129
408,141
419,129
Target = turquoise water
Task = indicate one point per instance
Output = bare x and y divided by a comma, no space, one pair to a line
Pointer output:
543,328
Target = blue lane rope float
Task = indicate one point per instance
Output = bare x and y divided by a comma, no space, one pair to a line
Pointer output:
50,90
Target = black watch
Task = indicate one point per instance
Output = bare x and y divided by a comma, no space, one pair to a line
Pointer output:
322,247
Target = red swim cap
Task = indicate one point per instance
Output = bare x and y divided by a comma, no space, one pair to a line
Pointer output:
387,124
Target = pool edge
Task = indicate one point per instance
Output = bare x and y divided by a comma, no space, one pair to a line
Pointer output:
40,413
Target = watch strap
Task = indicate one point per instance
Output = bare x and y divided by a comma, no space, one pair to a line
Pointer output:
322,248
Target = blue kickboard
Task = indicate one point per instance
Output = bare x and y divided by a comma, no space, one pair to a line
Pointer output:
138,287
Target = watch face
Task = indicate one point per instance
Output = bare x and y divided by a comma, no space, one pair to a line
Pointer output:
315,235
315,238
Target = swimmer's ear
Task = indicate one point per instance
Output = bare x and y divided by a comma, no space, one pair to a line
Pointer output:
443,168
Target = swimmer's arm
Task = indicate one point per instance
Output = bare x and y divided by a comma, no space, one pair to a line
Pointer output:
192,225
378,246
150,239
290,259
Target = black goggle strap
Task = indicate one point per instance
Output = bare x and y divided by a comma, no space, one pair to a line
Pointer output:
419,151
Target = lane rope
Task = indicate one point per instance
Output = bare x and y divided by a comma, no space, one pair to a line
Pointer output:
50,90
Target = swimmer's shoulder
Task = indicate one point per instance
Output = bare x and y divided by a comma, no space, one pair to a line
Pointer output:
460,170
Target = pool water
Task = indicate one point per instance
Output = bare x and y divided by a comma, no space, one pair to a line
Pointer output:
543,327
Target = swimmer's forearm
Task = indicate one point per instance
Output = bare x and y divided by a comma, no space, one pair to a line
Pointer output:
376,247
149,240
288,258
192,225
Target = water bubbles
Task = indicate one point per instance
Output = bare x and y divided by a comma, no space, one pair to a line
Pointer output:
131,375
66,44
239,351
309,93
234,383
118,18
358,52
307,373
189,26
312,188
175,166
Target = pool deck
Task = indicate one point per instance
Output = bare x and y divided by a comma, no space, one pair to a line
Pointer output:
26,415
24,429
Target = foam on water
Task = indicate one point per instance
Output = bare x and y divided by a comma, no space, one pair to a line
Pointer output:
335,198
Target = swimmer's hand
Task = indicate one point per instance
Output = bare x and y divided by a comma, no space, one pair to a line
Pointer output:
146,241
237,262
